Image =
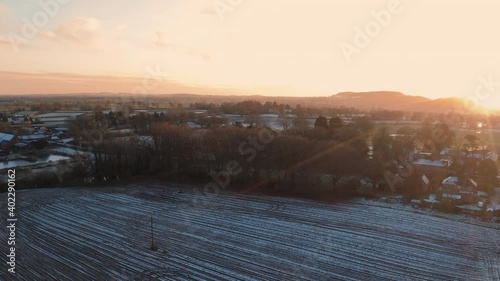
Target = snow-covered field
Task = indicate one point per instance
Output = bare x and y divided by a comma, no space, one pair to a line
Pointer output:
104,234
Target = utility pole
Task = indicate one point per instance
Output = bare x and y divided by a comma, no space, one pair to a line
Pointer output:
153,247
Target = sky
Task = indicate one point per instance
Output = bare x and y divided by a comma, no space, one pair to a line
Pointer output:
267,47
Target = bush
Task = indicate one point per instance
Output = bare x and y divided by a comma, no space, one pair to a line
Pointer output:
40,144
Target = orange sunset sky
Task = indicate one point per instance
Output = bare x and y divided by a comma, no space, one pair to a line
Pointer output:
268,47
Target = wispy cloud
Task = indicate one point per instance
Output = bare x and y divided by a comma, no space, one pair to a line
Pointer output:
79,30
86,33
118,30
4,40
4,24
4,15
161,41
60,83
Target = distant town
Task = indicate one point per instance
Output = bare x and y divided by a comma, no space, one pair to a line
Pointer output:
446,162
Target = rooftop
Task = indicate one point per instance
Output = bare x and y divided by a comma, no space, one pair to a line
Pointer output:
33,137
24,113
62,114
450,181
454,181
426,162
6,137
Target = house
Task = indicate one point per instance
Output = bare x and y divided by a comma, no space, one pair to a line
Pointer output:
424,155
435,171
59,118
25,114
474,155
454,184
33,137
451,152
22,146
7,140
458,191
66,141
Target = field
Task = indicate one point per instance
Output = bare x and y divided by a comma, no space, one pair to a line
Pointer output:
104,234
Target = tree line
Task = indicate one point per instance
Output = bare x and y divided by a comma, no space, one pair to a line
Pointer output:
301,158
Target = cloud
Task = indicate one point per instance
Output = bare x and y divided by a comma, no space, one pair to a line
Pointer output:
117,31
4,40
80,30
64,83
87,33
4,14
84,33
48,35
161,41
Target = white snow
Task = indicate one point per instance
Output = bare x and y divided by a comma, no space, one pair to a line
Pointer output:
104,234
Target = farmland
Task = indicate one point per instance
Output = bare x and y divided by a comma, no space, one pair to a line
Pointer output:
104,234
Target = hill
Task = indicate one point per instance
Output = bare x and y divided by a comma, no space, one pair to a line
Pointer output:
396,101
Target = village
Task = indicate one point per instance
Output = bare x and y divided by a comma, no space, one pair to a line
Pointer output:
450,179
457,192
